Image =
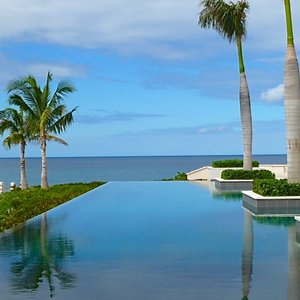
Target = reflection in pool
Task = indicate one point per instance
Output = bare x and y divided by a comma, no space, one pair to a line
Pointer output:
151,240
35,257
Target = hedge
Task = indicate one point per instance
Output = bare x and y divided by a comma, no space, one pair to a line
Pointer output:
276,188
232,163
247,174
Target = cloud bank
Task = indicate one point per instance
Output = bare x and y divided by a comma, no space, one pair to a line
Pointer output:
161,29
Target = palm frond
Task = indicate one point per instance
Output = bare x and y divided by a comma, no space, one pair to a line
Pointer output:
61,124
13,139
56,139
63,89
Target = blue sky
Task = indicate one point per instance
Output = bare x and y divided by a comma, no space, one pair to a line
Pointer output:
149,81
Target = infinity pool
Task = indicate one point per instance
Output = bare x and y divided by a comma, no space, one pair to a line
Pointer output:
151,240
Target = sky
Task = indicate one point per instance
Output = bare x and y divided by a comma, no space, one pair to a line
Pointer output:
149,80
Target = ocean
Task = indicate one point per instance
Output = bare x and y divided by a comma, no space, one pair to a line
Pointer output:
138,168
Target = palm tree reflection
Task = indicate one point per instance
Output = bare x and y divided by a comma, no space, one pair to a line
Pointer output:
37,256
247,254
294,265
293,290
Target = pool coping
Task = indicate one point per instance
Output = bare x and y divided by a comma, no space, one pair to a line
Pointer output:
256,196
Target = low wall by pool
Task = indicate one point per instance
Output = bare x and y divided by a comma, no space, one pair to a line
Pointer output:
233,185
258,204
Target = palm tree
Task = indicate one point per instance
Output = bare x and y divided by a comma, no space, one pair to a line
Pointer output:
292,101
229,20
46,111
16,124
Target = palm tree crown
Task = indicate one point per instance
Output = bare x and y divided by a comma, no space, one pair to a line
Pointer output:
45,109
16,123
13,121
229,19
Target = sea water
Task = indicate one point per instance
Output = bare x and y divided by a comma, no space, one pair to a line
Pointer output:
86,169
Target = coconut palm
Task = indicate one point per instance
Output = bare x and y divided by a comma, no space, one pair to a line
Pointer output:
229,20
46,111
16,124
292,101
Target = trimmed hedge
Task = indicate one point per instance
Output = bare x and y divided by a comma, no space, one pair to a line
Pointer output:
232,163
21,205
276,188
247,174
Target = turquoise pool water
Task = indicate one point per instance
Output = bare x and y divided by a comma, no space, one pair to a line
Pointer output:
151,240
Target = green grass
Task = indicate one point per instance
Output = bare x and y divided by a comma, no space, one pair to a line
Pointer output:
19,206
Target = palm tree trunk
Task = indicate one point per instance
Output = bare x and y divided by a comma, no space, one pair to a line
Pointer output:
292,102
245,111
44,179
24,184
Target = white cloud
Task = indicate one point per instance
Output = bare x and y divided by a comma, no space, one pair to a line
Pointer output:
14,69
274,94
124,26
162,29
40,69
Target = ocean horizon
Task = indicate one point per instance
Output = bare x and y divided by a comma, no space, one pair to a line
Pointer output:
114,168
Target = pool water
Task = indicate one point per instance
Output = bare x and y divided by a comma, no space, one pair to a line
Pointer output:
151,240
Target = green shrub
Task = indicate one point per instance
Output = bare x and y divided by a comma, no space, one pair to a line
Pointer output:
21,205
276,188
247,174
179,176
231,163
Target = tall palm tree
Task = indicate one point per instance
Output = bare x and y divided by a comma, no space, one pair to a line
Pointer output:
45,109
16,124
292,101
229,20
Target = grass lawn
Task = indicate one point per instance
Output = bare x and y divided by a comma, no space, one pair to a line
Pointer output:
19,206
